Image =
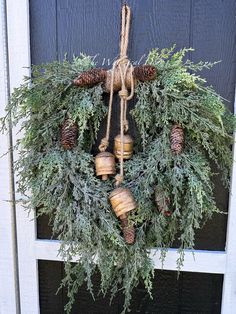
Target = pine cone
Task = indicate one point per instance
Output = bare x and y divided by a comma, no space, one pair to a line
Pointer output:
128,231
91,77
177,139
145,72
69,134
162,203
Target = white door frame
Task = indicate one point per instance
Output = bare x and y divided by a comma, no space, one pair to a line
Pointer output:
30,250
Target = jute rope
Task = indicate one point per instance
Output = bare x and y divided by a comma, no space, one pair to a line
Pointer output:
123,64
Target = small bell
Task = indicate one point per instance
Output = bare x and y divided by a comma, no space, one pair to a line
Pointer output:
122,202
128,146
105,164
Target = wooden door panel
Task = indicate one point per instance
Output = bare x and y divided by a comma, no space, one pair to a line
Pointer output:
60,27
192,293
91,26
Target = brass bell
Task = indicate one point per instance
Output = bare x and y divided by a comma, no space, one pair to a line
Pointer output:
128,146
105,164
122,202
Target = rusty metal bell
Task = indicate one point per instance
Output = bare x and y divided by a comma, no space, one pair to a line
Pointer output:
105,164
122,201
128,146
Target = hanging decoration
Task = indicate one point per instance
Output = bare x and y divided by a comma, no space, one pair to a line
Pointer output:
111,209
177,138
69,134
121,199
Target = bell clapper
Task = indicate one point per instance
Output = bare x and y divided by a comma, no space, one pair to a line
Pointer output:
104,177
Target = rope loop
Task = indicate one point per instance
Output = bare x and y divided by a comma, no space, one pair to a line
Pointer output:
123,65
104,144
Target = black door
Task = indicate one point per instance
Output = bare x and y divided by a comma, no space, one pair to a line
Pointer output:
92,26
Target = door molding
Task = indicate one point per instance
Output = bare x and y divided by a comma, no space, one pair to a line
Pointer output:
9,287
19,66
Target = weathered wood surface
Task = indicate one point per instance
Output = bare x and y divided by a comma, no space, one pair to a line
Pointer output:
67,26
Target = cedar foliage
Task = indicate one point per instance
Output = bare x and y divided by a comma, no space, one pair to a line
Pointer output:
62,183
179,97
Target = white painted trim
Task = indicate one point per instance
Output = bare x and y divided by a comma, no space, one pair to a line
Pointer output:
229,286
195,261
7,279
19,60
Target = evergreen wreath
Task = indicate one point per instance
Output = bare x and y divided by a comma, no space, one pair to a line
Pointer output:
183,130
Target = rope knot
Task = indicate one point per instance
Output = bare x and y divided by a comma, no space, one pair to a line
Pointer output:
123,93
126,125
104,144
122,60
119,179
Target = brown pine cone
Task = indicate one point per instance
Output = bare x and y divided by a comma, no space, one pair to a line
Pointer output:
91,77
128,231
69,134
145,72
162,203
177,139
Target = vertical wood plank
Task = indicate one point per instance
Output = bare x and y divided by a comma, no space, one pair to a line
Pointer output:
43,26
229,286
213,29
7,280
158,24
91,27
19,57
